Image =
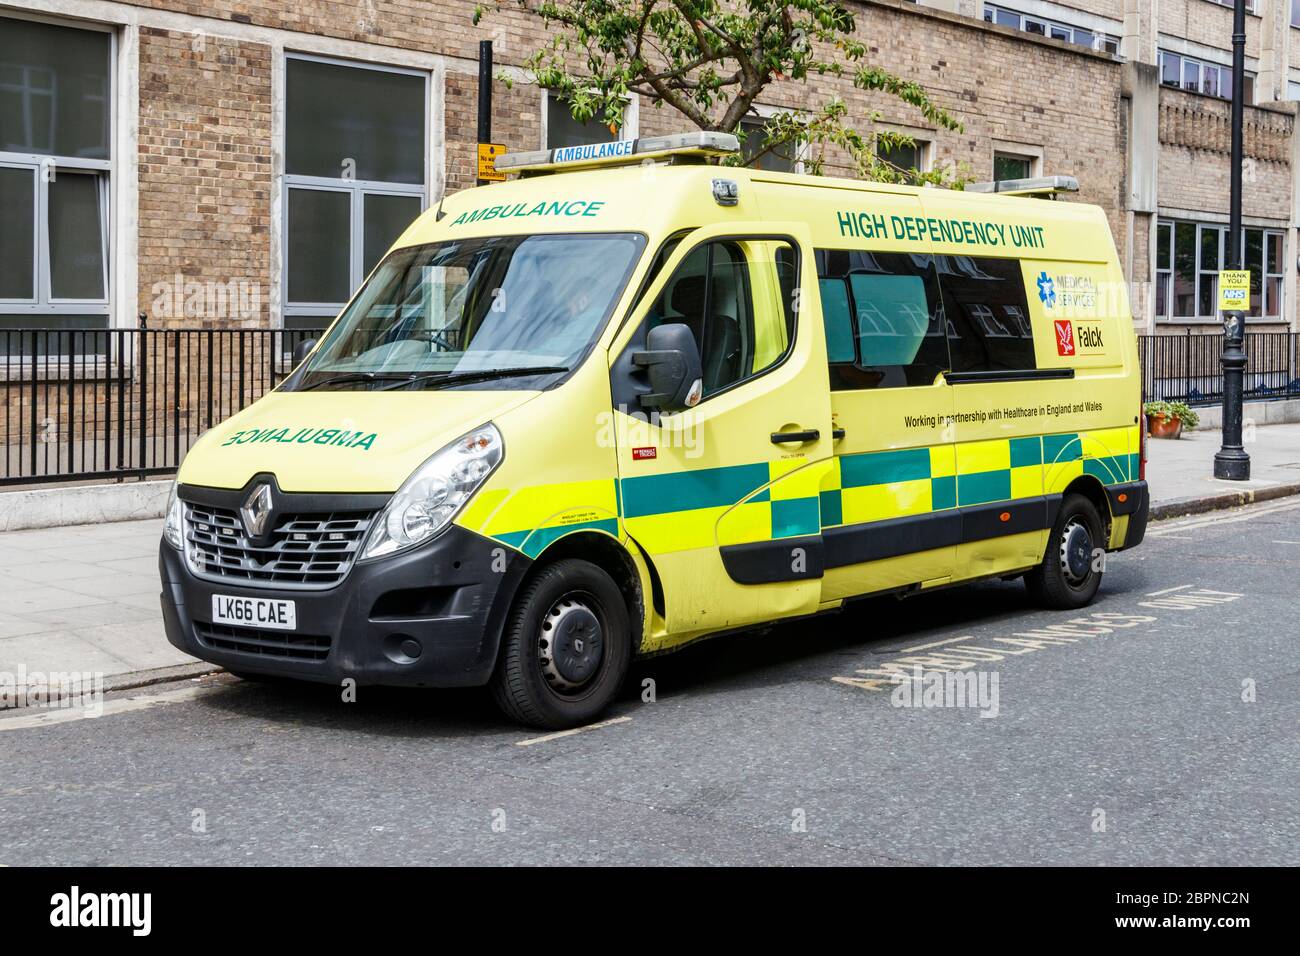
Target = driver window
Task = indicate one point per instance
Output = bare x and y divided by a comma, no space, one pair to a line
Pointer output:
736,297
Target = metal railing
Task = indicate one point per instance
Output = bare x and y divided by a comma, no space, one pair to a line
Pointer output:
1186,367
102,404
113,404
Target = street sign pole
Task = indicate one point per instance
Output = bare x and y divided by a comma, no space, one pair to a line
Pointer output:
484,95
1231,461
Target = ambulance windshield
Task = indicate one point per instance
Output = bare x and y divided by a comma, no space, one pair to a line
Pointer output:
473,308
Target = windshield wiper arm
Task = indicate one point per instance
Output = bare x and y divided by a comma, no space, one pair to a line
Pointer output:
353,377
445,379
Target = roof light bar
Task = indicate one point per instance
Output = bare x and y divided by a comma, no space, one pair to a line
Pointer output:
700,144
1042,186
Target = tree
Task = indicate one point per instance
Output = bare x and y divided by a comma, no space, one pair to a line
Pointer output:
711,60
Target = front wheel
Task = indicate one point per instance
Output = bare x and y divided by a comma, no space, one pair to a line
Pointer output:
1070,573
566,647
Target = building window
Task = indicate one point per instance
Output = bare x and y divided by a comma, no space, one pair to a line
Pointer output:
354,177
1189,256
55,169
782,159
1012,166
1093,40
1198,76
1250,4
563,130
1295,13
907,158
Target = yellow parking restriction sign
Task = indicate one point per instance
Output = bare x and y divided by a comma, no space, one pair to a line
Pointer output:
487,162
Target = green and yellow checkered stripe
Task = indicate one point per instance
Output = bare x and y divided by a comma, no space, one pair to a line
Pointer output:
787,498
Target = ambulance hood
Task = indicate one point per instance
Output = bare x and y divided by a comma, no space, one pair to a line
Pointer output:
329,441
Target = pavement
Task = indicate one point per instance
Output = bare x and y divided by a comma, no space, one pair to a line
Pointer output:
1181,473
85,598
1156,727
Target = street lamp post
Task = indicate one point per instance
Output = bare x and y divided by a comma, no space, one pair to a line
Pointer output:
1231,461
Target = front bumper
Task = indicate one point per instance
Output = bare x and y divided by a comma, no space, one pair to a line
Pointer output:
449,596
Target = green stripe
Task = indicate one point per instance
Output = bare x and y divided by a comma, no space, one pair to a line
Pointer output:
1110,469
884,467
795,516
688,490
533,543
943,493
1026,451
1062,448
984,486
832,508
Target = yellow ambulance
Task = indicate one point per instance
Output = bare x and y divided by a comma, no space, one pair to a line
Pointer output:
633,397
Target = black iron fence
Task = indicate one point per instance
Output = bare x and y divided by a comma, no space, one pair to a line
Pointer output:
112,404
1187,368
95,404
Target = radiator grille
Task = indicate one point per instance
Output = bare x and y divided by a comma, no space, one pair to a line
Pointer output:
304,550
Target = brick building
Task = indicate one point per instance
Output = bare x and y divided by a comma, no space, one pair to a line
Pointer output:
245,162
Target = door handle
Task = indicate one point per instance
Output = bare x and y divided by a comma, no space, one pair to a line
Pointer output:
791,438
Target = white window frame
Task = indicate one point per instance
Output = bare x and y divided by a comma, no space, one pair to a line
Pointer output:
1099,36
761,114
44,167
924,146
1166,276
629,129
1034,157
357,189
1185,60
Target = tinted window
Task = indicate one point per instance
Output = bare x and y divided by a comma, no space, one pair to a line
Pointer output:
988,314
884,325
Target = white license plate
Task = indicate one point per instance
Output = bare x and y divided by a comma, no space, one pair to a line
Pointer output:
254,612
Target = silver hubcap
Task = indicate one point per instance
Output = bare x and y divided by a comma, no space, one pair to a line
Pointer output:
1076,552
570,645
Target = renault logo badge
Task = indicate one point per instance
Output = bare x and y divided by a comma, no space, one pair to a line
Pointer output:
257,511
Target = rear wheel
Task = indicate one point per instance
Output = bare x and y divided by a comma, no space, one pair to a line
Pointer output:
566,647
1070,572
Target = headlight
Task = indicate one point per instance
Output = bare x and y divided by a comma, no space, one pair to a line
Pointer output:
430,498
173,527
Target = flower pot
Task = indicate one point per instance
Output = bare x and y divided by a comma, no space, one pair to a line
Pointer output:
1158,426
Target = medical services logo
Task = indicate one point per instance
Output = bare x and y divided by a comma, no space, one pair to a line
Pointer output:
1064,336
1046,290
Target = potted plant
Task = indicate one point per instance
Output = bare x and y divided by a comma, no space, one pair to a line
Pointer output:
1167,419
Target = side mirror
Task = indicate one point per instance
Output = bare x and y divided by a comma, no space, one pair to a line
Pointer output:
302,350
672,360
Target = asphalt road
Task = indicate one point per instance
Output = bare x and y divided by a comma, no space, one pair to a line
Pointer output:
1157,727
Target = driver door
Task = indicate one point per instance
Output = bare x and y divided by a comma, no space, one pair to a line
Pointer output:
724,498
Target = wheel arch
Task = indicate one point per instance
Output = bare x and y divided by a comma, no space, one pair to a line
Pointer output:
607,553
1091,488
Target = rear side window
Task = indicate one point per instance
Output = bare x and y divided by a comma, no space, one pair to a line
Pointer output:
988,314
884,326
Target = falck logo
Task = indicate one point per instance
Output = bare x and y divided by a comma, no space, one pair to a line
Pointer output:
1046,289
257,511
1064,337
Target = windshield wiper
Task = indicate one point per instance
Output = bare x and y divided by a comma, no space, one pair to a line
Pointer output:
445,379
353,377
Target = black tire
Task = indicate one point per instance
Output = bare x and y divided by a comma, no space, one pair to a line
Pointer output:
1070,574
566,647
